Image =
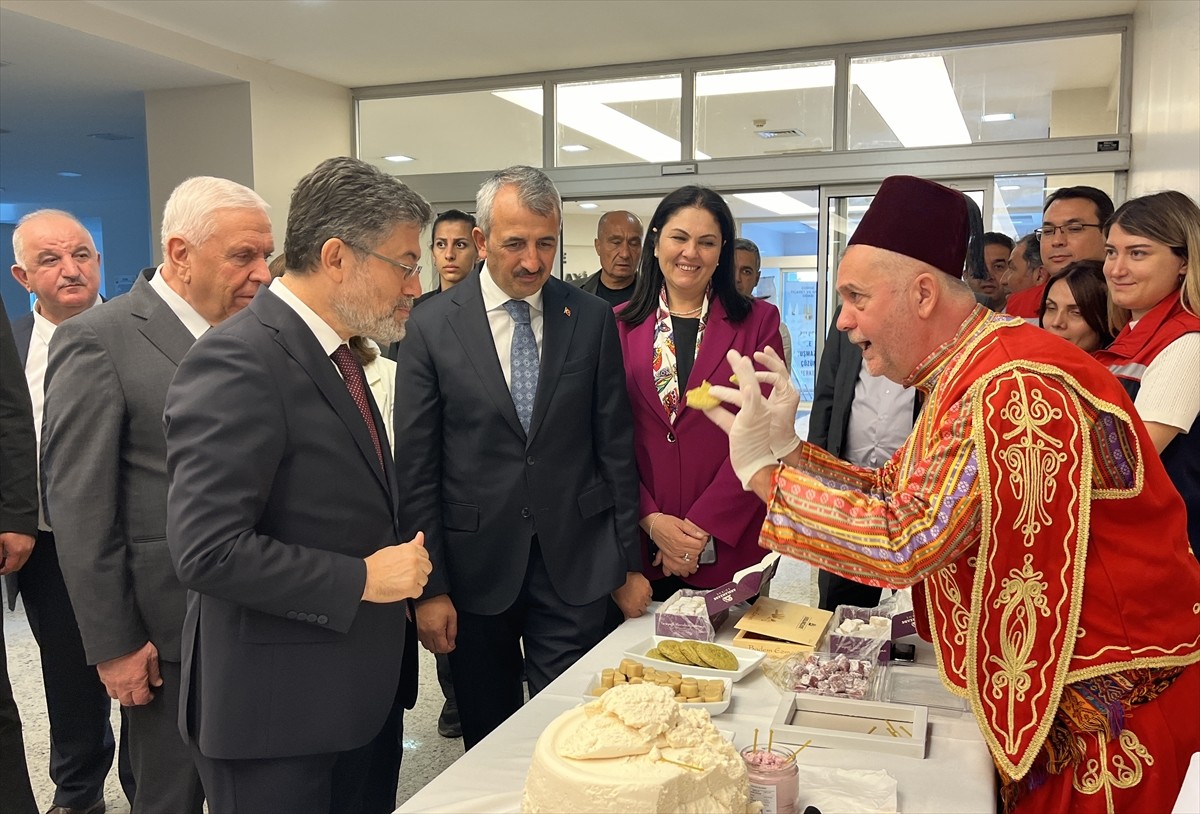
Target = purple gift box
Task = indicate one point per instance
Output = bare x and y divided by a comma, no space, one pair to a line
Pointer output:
902,624
745,584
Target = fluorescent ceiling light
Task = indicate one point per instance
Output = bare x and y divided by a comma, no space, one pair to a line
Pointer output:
398,159
574,148
70,174
778,202
916,99
998,117
584,113
588,206
1009,187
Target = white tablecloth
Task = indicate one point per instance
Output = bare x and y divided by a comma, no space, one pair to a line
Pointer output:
956,776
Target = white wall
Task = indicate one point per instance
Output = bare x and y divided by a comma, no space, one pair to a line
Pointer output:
1166,98
195,131
293,121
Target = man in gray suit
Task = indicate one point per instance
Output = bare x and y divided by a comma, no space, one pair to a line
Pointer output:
513,416
105,470
282,515
57,261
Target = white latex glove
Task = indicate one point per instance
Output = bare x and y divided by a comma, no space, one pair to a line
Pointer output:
781,404
750,430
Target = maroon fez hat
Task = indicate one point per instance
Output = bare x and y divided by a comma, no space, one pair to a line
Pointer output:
918,219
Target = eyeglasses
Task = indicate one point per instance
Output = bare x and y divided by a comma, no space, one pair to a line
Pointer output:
409,271
1066,229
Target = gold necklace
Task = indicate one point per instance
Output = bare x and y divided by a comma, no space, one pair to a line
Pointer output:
693,312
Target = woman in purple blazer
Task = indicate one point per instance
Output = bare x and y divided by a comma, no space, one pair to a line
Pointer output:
698,525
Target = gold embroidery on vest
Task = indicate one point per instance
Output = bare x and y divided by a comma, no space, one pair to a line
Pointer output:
1032,463
1022,597
1125,771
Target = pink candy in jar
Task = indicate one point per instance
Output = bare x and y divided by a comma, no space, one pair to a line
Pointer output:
774,779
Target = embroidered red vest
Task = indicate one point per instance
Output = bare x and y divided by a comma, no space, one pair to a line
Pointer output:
1083,566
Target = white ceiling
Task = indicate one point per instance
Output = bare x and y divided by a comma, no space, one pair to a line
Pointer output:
62,85
357,43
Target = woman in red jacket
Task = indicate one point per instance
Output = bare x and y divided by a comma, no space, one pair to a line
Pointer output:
699,526
1152,248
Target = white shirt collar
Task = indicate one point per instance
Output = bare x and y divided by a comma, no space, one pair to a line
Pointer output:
43,327
189,316
494,297
326,336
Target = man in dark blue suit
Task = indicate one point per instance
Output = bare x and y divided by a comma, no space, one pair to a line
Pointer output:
514,420
282,515
58,263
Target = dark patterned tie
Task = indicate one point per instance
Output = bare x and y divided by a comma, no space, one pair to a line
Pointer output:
356,383
523,361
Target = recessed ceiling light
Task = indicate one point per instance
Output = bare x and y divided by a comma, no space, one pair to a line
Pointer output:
398,159
588,206
70,174
575,148
998,117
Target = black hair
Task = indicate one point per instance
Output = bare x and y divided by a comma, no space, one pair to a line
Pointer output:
644,301
1104,204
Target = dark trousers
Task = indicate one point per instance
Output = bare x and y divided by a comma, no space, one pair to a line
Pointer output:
77,705
487,662
308,784
16,794
167,780
837,590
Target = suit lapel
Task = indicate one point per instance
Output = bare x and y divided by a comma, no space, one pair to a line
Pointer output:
718,339
160,326
295,337
470,324
558,327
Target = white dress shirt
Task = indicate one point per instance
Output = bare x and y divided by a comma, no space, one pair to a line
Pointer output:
502,324
881,418
35,378
183,309
327,337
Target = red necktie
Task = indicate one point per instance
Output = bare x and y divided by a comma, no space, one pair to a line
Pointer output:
356,383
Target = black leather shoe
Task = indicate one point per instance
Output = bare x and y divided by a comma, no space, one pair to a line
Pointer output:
94,808
448,724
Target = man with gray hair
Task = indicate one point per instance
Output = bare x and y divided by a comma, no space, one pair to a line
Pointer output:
282,515
105,468
512,411
57,262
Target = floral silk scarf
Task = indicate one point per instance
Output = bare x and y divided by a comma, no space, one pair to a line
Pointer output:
666,381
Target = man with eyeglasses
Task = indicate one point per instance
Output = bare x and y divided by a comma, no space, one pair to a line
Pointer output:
58,263
282,516
1072,223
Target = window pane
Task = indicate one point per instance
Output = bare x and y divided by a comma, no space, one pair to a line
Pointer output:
1029,90
776,110
442,133
623,121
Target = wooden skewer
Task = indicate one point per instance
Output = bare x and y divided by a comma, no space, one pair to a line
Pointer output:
755,740
770,739
871,731
792,756
684,765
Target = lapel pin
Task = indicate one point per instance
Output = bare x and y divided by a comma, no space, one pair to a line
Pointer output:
566,311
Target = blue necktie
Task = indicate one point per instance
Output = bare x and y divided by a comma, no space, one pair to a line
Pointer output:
523,361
